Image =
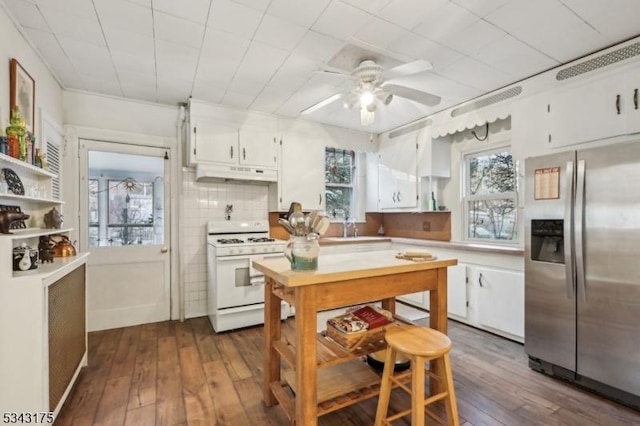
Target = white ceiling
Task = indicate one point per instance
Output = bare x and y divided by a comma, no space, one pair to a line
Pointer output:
264,55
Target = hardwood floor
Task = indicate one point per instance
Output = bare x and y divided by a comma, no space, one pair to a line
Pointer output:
182,373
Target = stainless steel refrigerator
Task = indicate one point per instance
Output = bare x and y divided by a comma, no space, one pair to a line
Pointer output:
582,268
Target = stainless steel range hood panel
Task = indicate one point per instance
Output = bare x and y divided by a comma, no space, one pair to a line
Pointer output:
234,173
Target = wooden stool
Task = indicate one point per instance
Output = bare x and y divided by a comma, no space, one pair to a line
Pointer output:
420,344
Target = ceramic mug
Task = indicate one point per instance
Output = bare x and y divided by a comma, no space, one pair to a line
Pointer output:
302,252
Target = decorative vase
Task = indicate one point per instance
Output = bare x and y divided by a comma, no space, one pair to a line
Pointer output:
302,252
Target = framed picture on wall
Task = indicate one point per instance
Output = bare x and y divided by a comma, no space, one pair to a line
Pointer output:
23,93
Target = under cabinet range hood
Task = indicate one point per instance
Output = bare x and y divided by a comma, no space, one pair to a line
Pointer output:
231,173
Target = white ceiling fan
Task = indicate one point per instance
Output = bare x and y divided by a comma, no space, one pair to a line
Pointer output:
373,86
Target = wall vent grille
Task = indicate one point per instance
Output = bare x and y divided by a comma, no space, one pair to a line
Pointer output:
489,100
411,128
599,61
53,158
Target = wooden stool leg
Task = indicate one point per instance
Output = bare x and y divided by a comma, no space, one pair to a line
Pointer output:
450,402
417,391
385,387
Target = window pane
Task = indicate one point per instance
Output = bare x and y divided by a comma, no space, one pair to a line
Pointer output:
338,166
491,174
492,219
93,204
130,202
126,199
338,202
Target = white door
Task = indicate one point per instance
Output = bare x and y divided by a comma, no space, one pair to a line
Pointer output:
124,224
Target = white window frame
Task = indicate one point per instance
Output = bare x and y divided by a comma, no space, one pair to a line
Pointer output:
467,198
353,185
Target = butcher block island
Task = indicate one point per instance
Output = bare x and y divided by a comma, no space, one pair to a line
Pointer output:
325,376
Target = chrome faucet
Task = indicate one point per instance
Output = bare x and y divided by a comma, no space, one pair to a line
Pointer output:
349,222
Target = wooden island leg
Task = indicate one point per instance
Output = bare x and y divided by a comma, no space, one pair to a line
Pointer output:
306,357
438,321
272,308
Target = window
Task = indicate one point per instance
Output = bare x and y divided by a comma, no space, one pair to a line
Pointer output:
130,212
339,183
490,197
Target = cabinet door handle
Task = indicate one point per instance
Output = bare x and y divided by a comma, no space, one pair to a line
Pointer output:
398,196
320,199
618,104
480,280
635,98
231,151
393,197
244,154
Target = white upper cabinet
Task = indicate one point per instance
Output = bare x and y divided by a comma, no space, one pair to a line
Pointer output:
221,143
301,172
632,98
212,142
397,169
434,157
600,107
257,147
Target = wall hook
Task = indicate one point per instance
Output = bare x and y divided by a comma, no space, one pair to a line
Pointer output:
486,135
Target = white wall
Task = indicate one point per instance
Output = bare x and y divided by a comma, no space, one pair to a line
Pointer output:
48,91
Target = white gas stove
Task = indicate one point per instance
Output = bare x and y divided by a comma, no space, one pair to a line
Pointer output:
236,290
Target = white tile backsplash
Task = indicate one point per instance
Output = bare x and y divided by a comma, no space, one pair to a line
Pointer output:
201,202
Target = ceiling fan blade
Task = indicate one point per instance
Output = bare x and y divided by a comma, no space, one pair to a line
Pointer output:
409,68
323,103
413,94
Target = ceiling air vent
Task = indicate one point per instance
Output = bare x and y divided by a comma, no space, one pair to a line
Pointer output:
599,61
489,100
410,128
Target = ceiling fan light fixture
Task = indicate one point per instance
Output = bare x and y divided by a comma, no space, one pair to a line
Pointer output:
366,98
366,117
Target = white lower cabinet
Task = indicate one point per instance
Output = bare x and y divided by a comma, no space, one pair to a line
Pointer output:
500,299
456,293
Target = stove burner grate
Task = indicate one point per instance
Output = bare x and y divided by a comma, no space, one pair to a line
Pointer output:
260,240
230,241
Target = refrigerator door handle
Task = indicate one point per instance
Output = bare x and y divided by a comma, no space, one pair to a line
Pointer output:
579,227
568,232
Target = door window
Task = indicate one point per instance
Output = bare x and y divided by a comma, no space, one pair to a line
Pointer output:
125,199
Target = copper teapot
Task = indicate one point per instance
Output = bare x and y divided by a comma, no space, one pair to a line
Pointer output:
64,247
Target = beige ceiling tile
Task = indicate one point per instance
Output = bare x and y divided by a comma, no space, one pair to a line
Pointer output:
473,38
220,45
482,7
128,62
340,20
261,61
245,86
178,30
270,99
125,15
414,46
371,6
142,92
303,13
318,48
145,3
409,13
618,20
192,10
86,29
514,57
234,18
79,50
73,8
206,91
475,74
238,100
279,33
27,14
120,40
379,33
260,5
445,21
